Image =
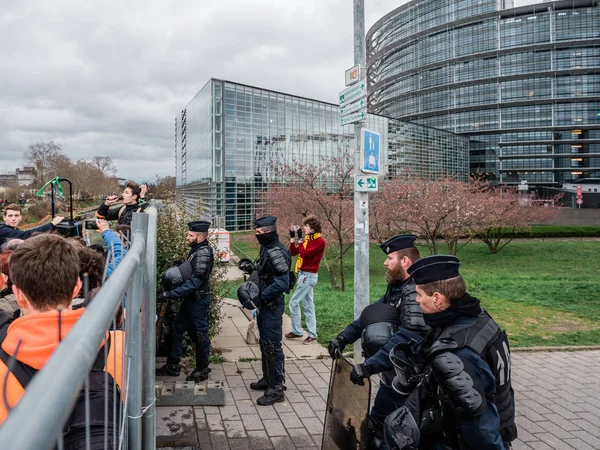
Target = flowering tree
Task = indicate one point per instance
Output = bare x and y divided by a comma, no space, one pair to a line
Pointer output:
326,192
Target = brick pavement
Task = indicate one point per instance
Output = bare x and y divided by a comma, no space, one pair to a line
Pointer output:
557,399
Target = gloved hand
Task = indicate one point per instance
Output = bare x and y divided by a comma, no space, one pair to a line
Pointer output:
292,233
337,344
166,294
299,232
359,373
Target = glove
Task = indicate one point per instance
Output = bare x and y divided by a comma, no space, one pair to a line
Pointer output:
359,373
166,294
337,344
299,232
292,234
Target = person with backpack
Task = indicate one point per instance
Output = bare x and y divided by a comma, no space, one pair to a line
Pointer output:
459,374
131,202
271,281
44,271
310,250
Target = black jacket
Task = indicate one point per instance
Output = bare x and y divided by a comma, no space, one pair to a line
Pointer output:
122,213
7,233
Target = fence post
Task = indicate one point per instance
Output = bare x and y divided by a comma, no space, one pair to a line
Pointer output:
149,335
133,330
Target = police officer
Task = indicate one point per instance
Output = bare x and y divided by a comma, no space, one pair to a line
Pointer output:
395,317
272,268
463,397
193,313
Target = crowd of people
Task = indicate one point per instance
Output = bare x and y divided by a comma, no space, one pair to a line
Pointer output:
47,279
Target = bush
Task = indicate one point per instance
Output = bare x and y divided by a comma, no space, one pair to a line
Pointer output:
553,231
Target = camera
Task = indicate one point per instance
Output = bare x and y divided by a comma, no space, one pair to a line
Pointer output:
90,224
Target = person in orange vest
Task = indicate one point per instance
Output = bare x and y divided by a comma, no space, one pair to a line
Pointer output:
309,249
44,271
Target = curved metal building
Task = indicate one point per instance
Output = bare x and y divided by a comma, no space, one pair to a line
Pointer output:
523,83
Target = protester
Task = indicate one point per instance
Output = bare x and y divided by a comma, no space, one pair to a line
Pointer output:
397,316
45,275
12,219
8,301
459,374
130,204
310,251
193,313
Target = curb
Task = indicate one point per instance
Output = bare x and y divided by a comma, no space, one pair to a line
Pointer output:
561,348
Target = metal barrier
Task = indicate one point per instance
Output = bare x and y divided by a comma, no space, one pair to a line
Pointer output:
38,419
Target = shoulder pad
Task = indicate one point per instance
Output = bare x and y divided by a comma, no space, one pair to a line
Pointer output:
465,392
410,312
203,261
278,261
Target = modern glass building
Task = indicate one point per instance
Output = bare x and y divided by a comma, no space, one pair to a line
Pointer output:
522,83
230,136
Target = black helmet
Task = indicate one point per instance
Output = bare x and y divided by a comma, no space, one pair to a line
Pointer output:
175,276
248,295
246,265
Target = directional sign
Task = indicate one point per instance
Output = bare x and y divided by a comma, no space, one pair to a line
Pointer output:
370,151
353,93
354,117
365,183
352,75
352,107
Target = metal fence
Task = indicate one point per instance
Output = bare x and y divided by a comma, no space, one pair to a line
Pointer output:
38,420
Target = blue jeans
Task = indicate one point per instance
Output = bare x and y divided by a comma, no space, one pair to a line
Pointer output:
304,293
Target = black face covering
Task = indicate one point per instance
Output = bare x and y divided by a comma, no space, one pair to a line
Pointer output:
464,306
267,238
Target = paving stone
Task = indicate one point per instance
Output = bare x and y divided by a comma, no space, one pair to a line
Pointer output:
282,442
300,437
274,427
239,444
259,440
218,441
234,429
175,426
215,422
291,420
313,425
303,409
252,422
229,412
267,412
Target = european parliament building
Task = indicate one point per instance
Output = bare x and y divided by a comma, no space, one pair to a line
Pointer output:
230,136
522,83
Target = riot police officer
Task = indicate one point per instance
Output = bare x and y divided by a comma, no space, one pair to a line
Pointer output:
193,313
462,397
272,271
395,317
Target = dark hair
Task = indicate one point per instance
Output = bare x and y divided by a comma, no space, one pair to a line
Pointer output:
12,207
135,189
46,269
92,263
411,253
312,222
452,288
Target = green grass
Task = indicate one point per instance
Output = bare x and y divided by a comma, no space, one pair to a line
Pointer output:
543,292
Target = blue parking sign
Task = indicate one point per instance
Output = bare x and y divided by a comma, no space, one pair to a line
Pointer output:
370,151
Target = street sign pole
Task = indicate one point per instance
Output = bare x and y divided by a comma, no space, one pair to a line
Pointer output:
361,199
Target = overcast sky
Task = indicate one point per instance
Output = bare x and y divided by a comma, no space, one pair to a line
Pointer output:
107,78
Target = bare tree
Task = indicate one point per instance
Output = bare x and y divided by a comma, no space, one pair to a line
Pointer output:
105,165
44,157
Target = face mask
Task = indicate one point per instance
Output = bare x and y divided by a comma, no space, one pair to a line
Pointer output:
267,238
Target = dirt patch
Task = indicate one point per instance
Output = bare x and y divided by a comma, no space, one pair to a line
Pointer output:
569,326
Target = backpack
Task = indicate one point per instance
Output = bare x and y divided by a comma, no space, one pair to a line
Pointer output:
102,388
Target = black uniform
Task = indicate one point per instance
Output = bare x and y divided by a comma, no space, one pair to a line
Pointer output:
462,397
273,268
193,313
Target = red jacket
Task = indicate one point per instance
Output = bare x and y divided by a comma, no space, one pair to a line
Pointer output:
311,255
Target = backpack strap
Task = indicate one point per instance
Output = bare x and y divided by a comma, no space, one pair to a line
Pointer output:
21,371
121,209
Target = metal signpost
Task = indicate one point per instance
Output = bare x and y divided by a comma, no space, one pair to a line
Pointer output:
356,93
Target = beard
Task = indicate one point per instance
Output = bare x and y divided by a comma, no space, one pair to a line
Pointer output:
397,274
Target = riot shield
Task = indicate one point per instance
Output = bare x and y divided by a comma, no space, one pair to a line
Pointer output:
348,405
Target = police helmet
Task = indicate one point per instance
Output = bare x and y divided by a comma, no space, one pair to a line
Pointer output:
175,276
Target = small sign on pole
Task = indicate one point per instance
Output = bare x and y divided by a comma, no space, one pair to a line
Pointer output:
352,75
365,183
370,151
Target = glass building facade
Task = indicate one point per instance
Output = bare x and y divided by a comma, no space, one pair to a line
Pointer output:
230,136
522,83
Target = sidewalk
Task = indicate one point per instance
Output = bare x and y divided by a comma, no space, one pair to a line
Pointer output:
232,338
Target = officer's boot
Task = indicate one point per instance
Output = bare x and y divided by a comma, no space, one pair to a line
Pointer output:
261,385
201,371
170,369
274,393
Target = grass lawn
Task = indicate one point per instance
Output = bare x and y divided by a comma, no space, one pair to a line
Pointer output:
542,292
